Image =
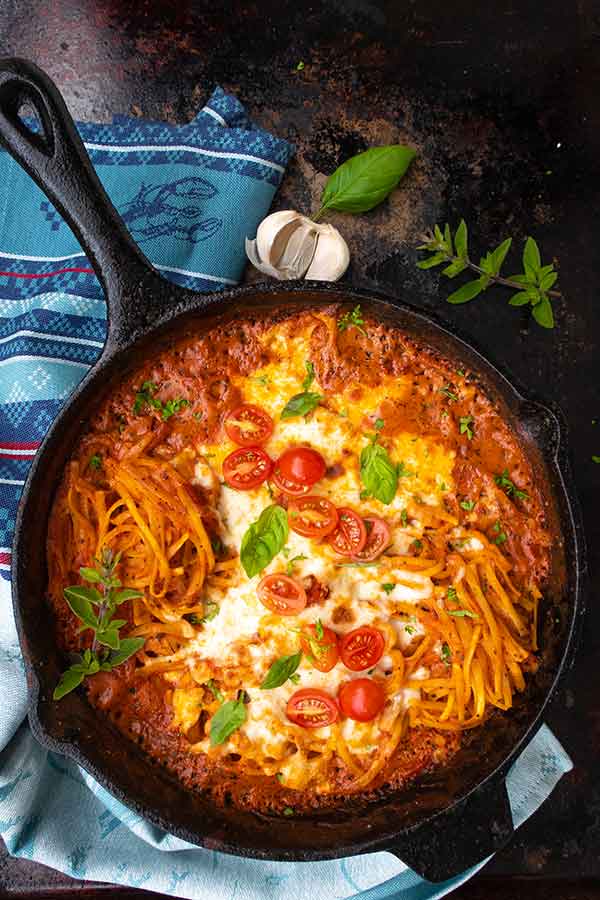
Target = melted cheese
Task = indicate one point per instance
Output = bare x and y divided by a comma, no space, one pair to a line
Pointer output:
244,630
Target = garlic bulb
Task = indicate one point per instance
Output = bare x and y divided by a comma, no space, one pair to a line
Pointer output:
289,245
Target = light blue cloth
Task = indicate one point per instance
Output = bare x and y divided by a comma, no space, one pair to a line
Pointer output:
189,195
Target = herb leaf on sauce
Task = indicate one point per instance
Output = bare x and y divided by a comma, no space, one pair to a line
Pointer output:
378,473
264,539
352,319
282,669
145,397
230,716
509,487
301,404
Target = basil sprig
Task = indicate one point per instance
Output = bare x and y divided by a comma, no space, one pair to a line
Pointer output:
365,180
282,669
378,473
301,404
227,719
96,609
264,539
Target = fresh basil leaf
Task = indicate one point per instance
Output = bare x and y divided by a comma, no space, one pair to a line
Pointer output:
519,299
378,474
310,375
127,648
365,180
499,255
69,680
461,240
467,292
436,260
282,669
301,404
455,268
90,574
531,256
109,637
542,313
264,539
547,280
80,600
227,719
126,594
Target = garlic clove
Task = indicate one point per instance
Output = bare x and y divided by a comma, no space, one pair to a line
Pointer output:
299,250
331,257
270,242
252,254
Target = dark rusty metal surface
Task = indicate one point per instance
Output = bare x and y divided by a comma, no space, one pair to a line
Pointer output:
503,102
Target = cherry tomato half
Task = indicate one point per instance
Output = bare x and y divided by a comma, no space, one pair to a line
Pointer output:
302,465
287,485
361,648
350,536
320,646
361,699
282,594
312,516
248,425
312,708
378,538
246,468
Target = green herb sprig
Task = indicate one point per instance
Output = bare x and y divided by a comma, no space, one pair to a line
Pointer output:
264,539
95,607
532,285
352,319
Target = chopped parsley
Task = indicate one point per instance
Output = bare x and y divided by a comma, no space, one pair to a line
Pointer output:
290,563
379,423
261,379
509,487
388,587
417,544
410,629
468,505
452,595
500,534
145,397
212,686
450,395
95,461
446,654
465,423
461,613
279,776
288,811
404,517
319,629
352,319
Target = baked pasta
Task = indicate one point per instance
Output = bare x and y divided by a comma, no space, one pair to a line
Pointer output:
333,547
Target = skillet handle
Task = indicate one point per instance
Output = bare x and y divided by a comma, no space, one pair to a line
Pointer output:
459,837
57,161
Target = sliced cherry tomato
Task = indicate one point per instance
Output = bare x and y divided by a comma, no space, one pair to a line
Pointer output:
320,645
282,594
312,516
302,465
248,425
350,536
288,486
246,468
361,648
361,699
378,538
312,708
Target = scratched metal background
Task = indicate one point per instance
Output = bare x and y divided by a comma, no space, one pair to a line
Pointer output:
502,101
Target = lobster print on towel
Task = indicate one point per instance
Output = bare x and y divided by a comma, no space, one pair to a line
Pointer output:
174,208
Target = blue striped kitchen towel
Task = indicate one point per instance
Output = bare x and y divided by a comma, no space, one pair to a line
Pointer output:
189,195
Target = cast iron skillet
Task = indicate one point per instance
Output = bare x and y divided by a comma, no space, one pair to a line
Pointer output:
449,820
